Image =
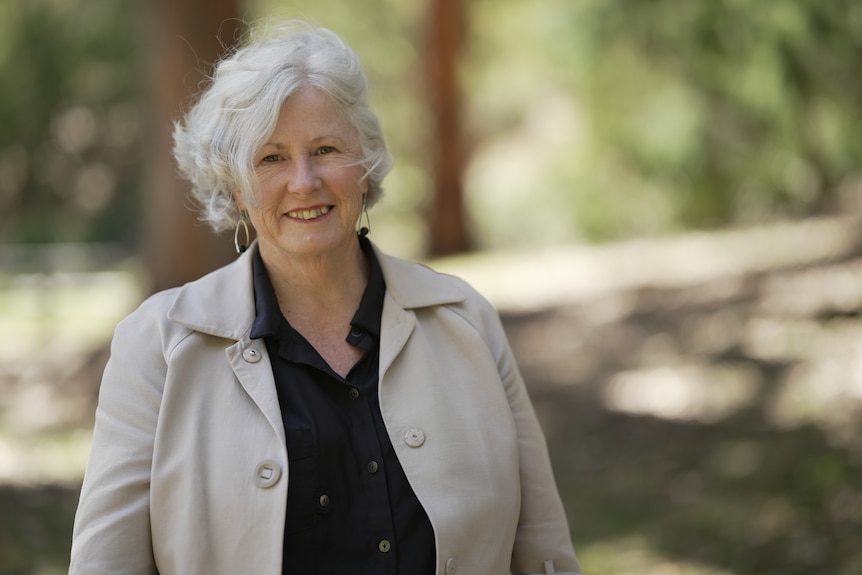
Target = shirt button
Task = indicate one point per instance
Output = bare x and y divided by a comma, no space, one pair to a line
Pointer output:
354,393
251,355
414,437
372,466
450,566
384,546
267,473
355,332
324,500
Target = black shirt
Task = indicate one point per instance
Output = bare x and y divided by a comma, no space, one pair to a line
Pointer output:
350,508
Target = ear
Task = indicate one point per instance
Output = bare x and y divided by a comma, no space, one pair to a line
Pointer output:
240,201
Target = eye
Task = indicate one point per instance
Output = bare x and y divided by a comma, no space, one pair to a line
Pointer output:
323,150
270,158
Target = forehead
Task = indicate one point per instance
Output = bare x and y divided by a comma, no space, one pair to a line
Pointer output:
312,112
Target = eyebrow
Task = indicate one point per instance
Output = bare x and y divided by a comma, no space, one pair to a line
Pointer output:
280,146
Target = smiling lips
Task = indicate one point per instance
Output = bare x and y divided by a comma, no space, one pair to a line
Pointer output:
309,214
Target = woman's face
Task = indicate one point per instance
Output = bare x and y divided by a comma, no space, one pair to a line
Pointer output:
310,184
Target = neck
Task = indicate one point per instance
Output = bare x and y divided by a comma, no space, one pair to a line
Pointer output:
323,283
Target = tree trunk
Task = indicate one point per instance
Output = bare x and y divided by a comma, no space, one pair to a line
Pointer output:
447,221
184,38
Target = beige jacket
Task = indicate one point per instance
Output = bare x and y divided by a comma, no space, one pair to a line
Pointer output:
188,471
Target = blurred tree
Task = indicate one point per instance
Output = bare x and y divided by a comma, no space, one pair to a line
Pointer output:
446,34
607,119
186,38
69,111
773,92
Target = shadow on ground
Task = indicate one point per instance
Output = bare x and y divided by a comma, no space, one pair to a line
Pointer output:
739,495
679,421
36,527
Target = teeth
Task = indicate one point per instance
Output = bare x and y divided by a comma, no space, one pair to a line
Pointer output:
308,214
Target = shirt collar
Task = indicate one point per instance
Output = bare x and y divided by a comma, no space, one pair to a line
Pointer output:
268,318
367,317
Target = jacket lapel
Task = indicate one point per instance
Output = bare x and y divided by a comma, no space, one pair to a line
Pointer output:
409,287
395,328
221,304
257,379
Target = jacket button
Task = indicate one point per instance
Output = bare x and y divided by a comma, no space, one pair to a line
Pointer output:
353,393
414,437
384,546
373,466
450,566
267,473
251,355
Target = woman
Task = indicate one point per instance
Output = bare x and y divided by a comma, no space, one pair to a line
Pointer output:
315,406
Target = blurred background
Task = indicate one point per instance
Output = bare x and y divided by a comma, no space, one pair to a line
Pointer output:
663,199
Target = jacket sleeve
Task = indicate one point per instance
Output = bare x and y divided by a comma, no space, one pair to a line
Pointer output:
111,533
542,542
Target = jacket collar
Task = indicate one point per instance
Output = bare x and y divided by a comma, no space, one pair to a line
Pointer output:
221,303
414,286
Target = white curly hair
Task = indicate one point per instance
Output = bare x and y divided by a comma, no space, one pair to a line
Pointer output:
215,142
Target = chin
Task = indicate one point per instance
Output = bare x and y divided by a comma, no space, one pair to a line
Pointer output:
314,245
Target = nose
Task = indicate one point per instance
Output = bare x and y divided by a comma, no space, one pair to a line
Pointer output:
303,177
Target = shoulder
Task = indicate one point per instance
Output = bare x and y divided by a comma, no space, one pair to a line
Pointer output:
149,325
414,286
153,308
417,284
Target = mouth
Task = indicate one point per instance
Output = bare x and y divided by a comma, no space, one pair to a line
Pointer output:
310,214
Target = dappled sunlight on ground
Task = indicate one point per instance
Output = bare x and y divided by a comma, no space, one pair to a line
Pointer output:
703,393
53,331
635,555
692,321
537,279
43,458
67,312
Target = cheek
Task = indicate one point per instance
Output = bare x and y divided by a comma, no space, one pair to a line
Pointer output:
267,188
355,186
265,211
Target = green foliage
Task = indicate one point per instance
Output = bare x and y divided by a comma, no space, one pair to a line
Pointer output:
69,108
777,91
681,114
